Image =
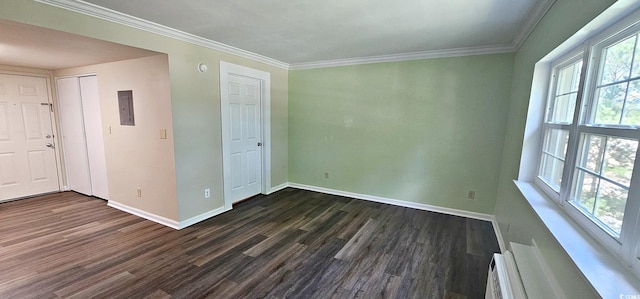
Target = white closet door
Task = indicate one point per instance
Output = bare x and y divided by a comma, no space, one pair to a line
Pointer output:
93,135
73,136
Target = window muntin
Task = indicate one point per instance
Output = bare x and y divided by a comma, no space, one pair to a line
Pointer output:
602,179
617,91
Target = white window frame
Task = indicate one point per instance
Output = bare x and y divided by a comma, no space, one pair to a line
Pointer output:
566,60
626,247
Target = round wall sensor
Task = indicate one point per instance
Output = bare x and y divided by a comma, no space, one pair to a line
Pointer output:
202,67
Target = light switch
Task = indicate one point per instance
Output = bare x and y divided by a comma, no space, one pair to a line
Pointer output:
163,133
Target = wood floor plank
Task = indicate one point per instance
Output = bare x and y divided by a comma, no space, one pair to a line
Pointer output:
358,241
290,244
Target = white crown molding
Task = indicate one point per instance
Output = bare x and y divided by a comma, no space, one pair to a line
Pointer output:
405,56
138,23
79,6
538,11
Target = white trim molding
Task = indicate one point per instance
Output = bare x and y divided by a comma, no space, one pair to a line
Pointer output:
405,56
401,203
409,204
396,202
79,6
498,232
538,11
138,23
166,221
144,214
278,188
202,217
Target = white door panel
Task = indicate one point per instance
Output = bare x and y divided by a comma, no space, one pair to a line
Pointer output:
83,142
93,132
73,136
242,105
4,121
27,155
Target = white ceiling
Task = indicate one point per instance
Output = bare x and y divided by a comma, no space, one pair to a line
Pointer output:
289,34
35,47
302,32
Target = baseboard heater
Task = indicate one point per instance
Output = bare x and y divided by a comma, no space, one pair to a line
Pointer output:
520,274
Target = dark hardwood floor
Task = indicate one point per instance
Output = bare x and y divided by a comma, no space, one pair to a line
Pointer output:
291,244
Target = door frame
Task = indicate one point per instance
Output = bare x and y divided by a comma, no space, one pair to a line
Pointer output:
227,69
53,101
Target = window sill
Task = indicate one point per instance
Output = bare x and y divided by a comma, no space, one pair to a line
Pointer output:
608,276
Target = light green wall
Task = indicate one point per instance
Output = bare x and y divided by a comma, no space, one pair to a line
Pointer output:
564,19
195,100
422,131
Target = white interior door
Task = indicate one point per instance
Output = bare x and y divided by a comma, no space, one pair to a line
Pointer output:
246,132
27,155
93,136
245,156
82,139
73,135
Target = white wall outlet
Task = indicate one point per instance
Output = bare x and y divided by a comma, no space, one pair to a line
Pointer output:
471,195
207,193
139,192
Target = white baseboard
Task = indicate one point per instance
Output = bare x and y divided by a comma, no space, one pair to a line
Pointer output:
498,232
408,204
396,202
204,216
146,215
278,188
166,221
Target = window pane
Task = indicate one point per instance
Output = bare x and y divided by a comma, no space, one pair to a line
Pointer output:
592,151
636,61
585,192
611,201
552,160
551,171
617,61
555,142
632,105
619,159
569,78
609,102
602,179
563,108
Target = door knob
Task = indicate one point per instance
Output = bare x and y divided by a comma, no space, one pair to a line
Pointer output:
49,145
259,143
